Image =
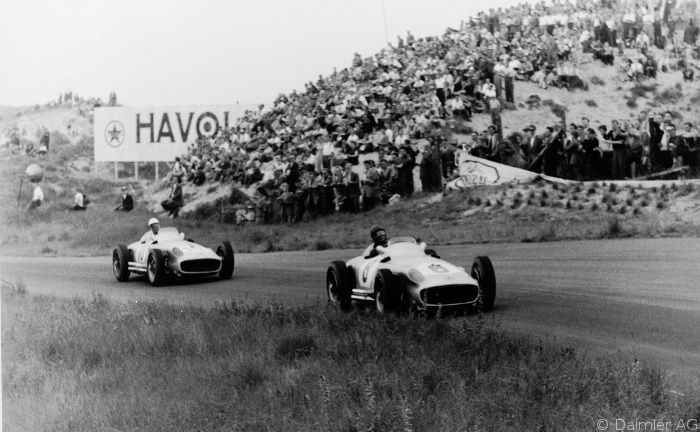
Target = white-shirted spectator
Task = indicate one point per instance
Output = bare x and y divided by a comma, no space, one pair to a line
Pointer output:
37,197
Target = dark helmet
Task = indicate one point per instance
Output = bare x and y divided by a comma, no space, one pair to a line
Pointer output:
374,230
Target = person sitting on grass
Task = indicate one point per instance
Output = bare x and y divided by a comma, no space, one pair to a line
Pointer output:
127,201
80,201
37,198
174,201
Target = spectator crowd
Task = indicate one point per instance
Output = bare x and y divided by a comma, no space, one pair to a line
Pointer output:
382,127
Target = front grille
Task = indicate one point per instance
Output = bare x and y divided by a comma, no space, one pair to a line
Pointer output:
200,265
450,294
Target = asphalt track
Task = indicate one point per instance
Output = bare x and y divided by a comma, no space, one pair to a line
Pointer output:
640,297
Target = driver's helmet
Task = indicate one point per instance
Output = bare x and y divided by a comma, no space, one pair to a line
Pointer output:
152,221
373,233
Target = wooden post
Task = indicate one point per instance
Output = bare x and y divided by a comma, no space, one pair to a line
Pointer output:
438,164
156,162
136,170
116,170
19,193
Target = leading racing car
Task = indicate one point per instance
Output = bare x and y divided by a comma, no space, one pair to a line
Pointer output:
405,276
171,255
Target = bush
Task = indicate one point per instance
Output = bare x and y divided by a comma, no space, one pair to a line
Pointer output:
295,347
597,81
669,96
591,103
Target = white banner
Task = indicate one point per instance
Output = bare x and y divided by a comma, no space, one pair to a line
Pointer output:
132,134
474,171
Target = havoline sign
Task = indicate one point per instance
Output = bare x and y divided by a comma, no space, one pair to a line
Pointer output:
129,134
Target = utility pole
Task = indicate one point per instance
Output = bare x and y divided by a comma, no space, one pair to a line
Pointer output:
386,33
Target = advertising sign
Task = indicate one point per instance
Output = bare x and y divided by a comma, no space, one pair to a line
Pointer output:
133,134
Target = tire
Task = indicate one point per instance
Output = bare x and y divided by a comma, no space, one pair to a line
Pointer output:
482,271
120,262
155,267
228,262
432,253
387,292
338,287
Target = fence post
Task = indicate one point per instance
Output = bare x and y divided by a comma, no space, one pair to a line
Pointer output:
136,170
156,162
116,171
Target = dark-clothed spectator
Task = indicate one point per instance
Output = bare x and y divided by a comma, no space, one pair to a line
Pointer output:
174,201
127,201
370,186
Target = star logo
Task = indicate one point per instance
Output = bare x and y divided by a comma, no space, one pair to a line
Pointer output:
437,268
114,134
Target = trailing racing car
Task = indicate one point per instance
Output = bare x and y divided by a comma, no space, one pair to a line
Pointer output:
405,276
171,255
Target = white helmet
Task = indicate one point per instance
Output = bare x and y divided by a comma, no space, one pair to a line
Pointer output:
152,221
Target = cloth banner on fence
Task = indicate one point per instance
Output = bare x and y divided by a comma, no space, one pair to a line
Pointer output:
474,171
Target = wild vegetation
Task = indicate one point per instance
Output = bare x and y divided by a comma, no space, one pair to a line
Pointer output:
93,365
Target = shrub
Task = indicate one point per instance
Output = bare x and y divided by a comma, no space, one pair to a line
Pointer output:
597,80
614,228
237,196
295,347
591,103
321,244
641,90
670,96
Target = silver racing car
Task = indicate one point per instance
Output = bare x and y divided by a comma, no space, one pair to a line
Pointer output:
405,276
171,255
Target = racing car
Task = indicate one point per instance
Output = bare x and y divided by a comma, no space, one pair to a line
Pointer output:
171,256
405,276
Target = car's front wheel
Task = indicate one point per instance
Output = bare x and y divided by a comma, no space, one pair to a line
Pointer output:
155,267
120,263
482,271
387,292
338,288
228,261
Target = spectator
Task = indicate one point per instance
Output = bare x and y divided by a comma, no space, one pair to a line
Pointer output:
174,201
127,202
80,201
370,186
351,181
45,141
37,197
245,215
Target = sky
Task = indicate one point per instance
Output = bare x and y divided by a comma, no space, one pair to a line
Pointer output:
207,52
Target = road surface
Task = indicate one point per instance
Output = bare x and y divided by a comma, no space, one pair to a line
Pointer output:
640,297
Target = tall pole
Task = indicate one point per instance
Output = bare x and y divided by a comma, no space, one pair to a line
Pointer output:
386,33
19,193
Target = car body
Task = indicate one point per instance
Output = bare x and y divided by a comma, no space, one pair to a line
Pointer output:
404,275
171,255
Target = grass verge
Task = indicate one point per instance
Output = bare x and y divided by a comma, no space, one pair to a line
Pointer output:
94,365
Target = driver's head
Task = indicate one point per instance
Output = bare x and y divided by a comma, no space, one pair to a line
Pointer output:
378,235
154,225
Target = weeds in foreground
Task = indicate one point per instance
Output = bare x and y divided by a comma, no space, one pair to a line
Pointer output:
93,365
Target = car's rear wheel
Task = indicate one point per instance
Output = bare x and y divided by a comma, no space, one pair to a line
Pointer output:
155,267
120,262
482,271
338,287
228,261
387,292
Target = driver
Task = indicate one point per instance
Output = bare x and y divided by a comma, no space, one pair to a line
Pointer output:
154,225
378,235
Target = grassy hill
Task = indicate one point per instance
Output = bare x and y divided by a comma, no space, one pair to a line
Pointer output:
519,216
